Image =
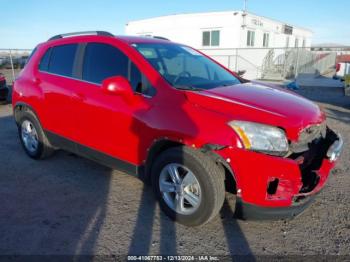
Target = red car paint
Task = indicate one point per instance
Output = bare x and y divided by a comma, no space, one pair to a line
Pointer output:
127,129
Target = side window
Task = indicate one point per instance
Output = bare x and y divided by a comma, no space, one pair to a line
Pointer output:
44,62
139,82
62,59
102,61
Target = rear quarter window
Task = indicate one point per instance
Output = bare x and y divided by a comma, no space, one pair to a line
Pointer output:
44,62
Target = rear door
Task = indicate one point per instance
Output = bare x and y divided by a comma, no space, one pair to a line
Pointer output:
56,79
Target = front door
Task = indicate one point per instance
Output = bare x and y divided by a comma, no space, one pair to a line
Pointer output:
108,123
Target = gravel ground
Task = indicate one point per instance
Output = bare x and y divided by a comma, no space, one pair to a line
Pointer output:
69,205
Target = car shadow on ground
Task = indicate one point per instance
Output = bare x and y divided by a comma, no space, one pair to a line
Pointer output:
59,206
141,241
48,207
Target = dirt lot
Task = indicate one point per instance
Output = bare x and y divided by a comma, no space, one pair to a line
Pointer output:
69,205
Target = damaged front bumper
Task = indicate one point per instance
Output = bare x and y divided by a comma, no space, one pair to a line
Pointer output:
270,187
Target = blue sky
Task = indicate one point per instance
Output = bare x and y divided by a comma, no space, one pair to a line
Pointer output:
24,23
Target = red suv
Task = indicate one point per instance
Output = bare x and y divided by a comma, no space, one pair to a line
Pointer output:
175,117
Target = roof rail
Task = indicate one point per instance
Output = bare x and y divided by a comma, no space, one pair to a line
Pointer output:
161,37
157,37
103,33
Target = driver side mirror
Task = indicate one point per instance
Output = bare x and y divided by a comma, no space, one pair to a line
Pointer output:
117,85
241,72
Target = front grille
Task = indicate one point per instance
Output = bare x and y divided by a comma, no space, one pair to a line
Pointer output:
311,159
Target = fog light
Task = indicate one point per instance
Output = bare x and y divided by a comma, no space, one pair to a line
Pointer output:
335,149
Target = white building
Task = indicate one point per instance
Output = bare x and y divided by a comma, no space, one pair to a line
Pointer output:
229,29
238,40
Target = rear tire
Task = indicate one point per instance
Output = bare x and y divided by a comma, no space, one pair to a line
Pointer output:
32,136
197,193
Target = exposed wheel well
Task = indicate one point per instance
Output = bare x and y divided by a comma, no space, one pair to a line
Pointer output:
21,107
156,149
164,144
230,183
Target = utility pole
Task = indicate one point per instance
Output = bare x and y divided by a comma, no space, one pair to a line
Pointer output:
245,6
244,13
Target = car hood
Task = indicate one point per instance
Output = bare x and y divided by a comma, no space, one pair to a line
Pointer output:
261,103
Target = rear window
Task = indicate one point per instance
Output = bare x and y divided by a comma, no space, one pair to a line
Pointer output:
102,61
61,59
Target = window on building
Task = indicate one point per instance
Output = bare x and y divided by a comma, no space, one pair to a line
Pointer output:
211,38
287,41
304,43
266,40
102,61
296,42
215,38
62,59
206,38
250,38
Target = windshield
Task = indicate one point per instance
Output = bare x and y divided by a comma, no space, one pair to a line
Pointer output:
185,68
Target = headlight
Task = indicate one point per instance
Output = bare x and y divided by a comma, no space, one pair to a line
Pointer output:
263,138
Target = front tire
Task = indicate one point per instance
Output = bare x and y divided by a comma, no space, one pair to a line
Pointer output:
189,185
32,136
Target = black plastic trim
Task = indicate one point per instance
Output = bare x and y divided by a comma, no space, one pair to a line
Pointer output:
248,211
92,154
101,33
78,62
22,104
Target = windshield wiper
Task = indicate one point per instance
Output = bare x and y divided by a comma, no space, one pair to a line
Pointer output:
191,88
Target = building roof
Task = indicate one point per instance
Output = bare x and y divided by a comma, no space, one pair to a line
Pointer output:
215,13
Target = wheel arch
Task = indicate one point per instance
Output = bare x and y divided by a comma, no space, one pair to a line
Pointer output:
155,150
230,179
20,107
163,144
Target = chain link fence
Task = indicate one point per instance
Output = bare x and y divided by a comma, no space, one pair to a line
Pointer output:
259,63
11,62
279,63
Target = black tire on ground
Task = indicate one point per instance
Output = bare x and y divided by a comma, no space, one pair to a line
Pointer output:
44,149
209,175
